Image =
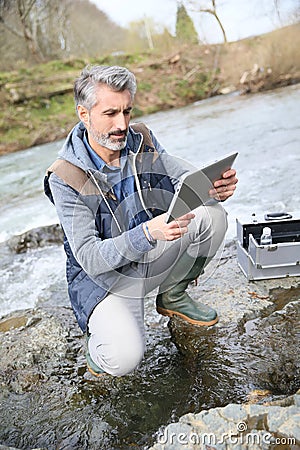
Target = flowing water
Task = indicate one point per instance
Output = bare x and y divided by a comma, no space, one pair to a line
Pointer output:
265,130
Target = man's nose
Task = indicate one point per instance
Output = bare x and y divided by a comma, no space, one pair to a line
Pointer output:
121,123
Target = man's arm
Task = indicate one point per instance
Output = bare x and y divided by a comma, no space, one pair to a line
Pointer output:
95,256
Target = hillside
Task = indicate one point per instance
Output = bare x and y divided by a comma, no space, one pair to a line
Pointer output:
37,103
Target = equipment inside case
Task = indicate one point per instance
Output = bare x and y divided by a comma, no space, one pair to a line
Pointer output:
284,228
276,260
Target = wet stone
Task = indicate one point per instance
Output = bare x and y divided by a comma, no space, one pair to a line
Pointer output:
31,352
38,237
234,413
280,416
13,322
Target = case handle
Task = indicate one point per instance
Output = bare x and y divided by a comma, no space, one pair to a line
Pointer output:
278,216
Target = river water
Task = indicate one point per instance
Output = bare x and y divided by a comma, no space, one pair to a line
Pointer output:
263,128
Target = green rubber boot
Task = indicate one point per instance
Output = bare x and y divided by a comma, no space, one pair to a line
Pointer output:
92,367
175,301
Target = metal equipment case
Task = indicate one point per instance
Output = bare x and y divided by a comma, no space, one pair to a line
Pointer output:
277,260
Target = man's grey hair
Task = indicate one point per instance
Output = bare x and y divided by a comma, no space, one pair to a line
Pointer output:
117,78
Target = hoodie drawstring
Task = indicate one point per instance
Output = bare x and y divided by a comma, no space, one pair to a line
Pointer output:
105,200
137,182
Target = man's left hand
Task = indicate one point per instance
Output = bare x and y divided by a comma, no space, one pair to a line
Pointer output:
225,187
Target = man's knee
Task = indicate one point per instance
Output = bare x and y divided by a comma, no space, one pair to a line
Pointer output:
118,358
126,361
212,222
219,221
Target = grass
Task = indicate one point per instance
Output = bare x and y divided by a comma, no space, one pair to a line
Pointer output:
30,123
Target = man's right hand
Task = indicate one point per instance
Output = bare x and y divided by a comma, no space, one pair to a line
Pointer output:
162,231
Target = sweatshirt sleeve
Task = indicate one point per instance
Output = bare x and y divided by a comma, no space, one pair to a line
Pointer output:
95,256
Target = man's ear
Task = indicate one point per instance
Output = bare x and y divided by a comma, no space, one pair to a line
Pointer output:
83,114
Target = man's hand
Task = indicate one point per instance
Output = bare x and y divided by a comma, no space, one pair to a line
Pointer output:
162,231
225,187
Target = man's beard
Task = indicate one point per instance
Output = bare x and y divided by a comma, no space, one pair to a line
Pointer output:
105,139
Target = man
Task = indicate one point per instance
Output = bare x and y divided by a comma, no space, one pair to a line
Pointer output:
111,187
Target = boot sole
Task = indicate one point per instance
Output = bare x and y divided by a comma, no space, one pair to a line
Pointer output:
170,313
96,374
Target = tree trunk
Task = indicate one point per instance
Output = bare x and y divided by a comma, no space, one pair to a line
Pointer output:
31,43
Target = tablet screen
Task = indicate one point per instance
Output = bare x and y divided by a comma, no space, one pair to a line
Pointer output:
193,189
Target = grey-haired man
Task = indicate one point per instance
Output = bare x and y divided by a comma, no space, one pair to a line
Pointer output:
111,187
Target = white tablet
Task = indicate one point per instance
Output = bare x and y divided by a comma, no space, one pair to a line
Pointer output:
193,188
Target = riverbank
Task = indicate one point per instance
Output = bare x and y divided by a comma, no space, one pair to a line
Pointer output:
49,400
37,102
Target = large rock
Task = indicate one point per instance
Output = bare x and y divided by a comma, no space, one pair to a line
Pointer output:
236,427
35,345
36,238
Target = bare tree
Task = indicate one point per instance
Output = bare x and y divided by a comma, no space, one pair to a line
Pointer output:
26,27
210,10
54,23
36,30
40,24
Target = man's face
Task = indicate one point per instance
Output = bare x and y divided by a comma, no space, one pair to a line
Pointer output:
107,122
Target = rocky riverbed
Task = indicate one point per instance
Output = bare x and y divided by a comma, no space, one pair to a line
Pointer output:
192,380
